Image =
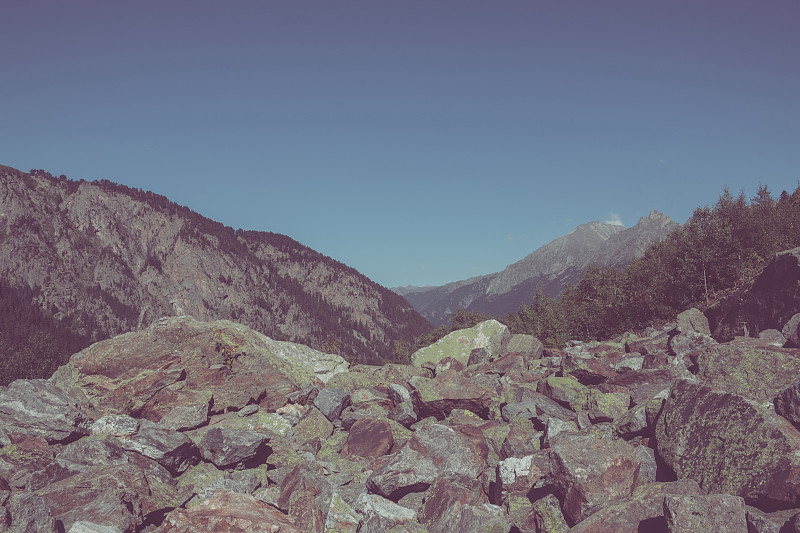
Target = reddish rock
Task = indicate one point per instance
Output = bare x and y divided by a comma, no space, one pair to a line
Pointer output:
306,496
226,512
445,500
369,437
721,513
592,473
642,511
430,453
450,390
588,371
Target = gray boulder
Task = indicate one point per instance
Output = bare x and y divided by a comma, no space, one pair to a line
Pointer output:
39,408
228,447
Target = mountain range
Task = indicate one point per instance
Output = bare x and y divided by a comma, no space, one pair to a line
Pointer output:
551,267
98,259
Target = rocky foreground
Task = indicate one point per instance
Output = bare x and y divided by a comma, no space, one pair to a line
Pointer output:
210,426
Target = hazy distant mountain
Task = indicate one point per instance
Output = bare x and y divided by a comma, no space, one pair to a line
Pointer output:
100,259
552,266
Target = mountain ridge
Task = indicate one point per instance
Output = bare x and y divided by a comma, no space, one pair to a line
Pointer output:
550,267
103,259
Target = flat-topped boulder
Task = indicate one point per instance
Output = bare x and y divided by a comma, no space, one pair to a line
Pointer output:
135,372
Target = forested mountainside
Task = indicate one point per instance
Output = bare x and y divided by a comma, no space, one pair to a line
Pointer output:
95,259
550,268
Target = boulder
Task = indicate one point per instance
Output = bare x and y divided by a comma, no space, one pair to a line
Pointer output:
229,447
772,337
331,402
445,500
587,370
439,396
128,374
40,408
768,303
642,512
528,346
313,425
379,514
369,437
721,513
173,450
791,331
752,369
787,403
565,390
729,445
593,473
226,511
684,344
693,321
29,513
341,518
490,335
428,455
306,496
544,516
122,496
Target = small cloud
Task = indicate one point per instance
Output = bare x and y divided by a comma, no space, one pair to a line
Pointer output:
660,161
614,220
509,238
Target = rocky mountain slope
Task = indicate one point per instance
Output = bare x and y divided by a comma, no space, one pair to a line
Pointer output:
550,267
102,259
191,426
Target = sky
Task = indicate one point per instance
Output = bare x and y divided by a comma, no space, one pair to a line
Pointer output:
419,142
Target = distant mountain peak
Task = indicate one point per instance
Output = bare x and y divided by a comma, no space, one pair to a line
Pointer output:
560,261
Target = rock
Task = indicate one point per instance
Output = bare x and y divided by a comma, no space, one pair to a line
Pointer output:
754,370
648,471
521,439
486,517
331,402
154,370
721,513
116,425
226,511
122,496
592,473
30,514
791,331
186,417
228,447
772,337
545,516
83,526
173,450
445,500
341,518
769,303
633,423
787,403
565,390
313,425
523,410
729,445
306,496
528,346
643,384
693,321
404,414
587,370
557,428
518,474
428,455
490,335
437,397
369,437
40,408
775,522
684,344
642,512
380,514
398,393
606,406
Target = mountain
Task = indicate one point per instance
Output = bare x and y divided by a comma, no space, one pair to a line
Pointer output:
98,259
550,267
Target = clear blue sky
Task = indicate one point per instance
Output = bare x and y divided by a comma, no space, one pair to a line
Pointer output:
419,142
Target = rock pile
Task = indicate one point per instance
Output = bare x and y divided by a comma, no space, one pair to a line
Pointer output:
191,426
